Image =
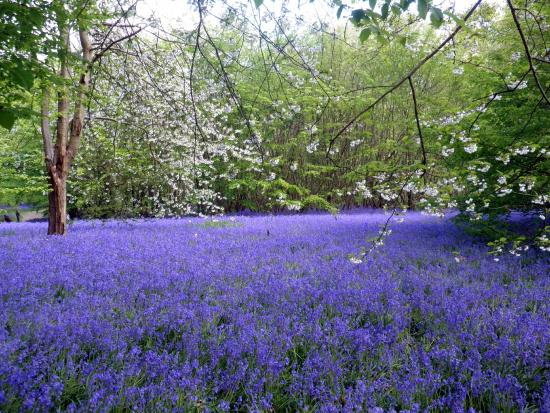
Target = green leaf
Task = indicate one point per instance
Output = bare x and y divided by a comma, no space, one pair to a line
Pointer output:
36,16
23,77
371,14
381,39
357,15
340,10
7,118
404,4
385,10
436,17
372,3
258,3
460,22
422,8
364,35
396,9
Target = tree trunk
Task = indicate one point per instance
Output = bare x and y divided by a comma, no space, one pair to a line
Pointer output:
57,209
59,157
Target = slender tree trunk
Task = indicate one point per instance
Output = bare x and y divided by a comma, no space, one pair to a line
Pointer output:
57,210
59,156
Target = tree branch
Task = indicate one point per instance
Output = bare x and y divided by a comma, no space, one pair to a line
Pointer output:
78,116
420,136
527,52
45,126
397,84
62,100
113,43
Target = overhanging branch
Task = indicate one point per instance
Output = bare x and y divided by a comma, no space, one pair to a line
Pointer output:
397,84
527,51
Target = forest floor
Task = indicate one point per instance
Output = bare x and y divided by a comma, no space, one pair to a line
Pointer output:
269,313
27,213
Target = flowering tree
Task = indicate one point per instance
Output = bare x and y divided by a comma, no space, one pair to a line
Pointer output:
162,124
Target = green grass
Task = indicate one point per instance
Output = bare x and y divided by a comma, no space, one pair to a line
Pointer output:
218,224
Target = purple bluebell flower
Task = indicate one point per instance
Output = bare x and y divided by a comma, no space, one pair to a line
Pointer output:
177,315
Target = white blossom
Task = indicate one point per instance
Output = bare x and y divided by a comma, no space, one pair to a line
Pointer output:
447,151
518,85
355,143
312,146
505,158
458,70
470,148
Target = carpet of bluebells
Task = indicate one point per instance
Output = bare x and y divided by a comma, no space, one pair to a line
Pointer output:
269,313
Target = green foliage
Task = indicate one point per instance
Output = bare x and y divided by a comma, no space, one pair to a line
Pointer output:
24,36
378,17
7,118
317,203
500,142
214,223
22,178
